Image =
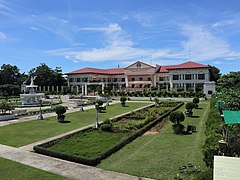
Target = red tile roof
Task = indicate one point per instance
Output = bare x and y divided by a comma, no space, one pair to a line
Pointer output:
115,71
88,70
186,65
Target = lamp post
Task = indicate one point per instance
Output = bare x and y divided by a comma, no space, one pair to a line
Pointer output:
96,107
40,116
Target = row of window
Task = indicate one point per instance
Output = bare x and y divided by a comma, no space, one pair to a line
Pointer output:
95,80
141,79
188,76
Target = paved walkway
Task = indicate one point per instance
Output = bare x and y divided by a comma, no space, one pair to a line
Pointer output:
61,167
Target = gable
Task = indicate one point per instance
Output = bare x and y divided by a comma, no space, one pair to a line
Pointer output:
140,68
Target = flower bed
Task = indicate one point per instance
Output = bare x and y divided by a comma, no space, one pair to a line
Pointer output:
101,142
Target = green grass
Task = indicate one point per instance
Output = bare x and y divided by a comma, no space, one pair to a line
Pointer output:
159,156
88,144
10,170
24,133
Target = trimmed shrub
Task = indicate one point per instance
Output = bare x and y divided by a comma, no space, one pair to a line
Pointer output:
106,127
196,101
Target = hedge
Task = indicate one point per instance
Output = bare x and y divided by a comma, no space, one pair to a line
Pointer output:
42,148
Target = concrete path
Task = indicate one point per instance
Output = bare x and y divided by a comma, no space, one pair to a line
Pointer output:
61,167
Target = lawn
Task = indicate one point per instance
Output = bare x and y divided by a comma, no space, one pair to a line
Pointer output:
24,133
14,170
159,156
89,144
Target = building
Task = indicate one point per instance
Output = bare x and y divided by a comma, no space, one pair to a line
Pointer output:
188,76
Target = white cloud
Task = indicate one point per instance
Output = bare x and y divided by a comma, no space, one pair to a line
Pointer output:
119,46
3,37
205,45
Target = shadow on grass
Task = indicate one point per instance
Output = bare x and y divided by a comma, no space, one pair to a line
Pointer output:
199,108
194,116
64,122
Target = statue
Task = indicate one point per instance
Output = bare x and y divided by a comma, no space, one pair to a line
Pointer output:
32,79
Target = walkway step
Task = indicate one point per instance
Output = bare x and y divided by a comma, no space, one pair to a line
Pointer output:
61,167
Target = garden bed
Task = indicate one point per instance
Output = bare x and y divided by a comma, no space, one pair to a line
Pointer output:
91,146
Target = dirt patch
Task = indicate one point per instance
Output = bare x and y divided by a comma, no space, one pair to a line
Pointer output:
156,129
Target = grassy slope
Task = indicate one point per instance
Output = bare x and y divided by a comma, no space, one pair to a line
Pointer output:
12,170
159,156
89,144
28,132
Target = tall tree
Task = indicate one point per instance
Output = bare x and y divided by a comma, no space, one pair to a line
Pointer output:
214,73
9,75
229,81
47,76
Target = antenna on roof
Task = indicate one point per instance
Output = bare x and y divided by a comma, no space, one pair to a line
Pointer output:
118,64
189,53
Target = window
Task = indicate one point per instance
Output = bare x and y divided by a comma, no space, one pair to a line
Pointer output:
115,79
123,79
188,76
210,92
175,77
71,80
149,79
161,78
201,76
140,79
78,79
133,79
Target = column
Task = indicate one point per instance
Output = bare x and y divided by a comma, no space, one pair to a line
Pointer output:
185,87
40,88
86,89
194,87
52,88
44,88
102,88
77,90
171,82
57,88
82,90
48,88
126,80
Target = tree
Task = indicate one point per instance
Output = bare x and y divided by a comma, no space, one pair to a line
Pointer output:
47,76
214,73
229,81
189,106
196,101
123,100
60,110
9,74
176,117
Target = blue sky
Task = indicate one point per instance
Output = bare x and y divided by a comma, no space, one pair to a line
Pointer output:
74,34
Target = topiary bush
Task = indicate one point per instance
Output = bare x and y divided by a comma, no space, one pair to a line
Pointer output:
123,100
196,101
106,127
189,106
176,117
60,110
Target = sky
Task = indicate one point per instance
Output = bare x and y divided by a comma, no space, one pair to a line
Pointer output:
73,34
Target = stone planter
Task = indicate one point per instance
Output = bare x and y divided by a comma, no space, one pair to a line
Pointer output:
7,117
